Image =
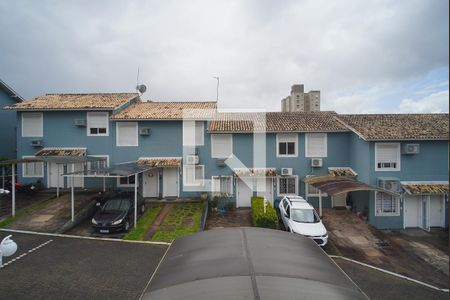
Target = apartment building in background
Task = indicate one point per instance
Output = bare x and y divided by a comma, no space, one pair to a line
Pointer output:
299,101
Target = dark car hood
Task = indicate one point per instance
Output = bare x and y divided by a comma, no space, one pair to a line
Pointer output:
109,216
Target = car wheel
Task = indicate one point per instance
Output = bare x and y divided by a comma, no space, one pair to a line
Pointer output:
142,208
126,226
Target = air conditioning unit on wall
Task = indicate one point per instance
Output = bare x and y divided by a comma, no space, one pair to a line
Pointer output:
316,162
389,184
286,171
192,159
144,131
80,123
37,143
411,149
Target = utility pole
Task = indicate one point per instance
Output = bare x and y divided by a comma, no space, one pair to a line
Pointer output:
217,91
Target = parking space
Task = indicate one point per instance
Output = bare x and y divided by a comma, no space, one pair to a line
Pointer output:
75,268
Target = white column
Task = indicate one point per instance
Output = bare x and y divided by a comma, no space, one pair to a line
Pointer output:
13,190
72,198
320,203
135,198
57,180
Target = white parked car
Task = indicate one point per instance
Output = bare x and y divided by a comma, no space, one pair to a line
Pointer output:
300,217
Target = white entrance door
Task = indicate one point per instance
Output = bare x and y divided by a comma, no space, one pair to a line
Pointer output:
436,211
264,188
77,181
413,211
170,182
52,170
244,194
151,183
339,200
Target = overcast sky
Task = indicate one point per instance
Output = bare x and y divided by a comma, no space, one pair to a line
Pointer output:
364,56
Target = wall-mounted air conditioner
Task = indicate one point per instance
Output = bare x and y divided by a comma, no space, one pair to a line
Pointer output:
144,131
221,162
389,184
411,149
37,143
80,123
316,162
192,159
286,171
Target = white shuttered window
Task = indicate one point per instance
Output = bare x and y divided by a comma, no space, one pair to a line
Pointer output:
97,124
32,125
127,133
33,169
223,185
221,145
193,175
316,145
387,157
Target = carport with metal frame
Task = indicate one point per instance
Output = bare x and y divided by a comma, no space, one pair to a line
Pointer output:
59,160
334,185
116,171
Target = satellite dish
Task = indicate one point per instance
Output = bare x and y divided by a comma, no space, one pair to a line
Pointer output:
141,88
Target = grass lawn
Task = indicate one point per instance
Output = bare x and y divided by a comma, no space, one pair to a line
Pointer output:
143,223
183,219
26,211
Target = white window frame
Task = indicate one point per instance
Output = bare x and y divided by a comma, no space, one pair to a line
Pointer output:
89,115
287,138
41,134
309,194
199,182
296,185
387,214
398,157
215,189
128,184
103,156
325,140
213,137
32,176
118,124
189,129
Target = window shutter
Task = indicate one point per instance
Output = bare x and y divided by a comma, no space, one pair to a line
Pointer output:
127,134
98,120
221,145
32,125
387,153
316,145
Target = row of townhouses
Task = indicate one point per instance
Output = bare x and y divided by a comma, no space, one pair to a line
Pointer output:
192,147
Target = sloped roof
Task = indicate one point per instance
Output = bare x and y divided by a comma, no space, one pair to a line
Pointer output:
159,161
341,171
430,188
255,172
10,92
61,152
398,126
99,101
276,122
167,111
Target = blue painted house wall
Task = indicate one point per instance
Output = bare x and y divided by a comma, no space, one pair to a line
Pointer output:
8,127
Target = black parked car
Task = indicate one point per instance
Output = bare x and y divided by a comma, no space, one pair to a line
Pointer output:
116,214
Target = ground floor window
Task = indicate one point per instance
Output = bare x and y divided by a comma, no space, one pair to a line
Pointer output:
193,175
32,169
312,191
126,181
223,185
386,204
287,185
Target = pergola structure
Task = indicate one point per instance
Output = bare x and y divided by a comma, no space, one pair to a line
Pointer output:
334,185
116,171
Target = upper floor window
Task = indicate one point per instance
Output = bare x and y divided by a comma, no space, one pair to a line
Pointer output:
287,185
387,156
316,145
193,133
32,169
287,144
97,123
32,124
386,205
127,134
221,145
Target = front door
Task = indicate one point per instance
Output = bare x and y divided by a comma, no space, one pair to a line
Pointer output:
170,182
426,212
412,211
436,211
264,188
151,183
244,194
53,175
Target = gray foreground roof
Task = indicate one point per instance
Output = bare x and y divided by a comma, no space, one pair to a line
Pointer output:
249,263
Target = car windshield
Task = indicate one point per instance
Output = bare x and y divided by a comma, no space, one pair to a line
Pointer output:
116,204
304,215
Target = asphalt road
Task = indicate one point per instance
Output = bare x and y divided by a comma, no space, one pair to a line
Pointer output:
72,268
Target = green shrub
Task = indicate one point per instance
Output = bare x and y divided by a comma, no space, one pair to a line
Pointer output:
261,219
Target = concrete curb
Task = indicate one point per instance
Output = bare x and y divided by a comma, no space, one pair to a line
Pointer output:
84,237
390,273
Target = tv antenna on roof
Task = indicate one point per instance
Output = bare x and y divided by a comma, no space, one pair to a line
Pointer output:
141,88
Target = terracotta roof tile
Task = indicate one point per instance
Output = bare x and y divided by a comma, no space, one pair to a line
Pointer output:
344,171
106,101
160,161
167,111
398,126
61,152
276,122
423,188
257,172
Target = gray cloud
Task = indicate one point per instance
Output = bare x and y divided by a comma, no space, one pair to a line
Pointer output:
347,49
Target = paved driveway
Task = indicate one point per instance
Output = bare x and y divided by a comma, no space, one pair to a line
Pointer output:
414,253
73,268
